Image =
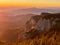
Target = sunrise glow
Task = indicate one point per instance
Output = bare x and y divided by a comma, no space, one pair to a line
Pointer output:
29,3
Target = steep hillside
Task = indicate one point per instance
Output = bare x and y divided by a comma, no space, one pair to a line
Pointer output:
49,34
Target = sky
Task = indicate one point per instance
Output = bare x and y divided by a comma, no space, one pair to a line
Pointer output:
30,3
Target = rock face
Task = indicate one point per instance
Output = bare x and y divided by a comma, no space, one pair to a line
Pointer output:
47,21
42,23
32,22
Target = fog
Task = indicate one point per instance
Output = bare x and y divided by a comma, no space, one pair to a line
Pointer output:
10,22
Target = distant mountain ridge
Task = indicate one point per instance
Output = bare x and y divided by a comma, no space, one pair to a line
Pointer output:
19,11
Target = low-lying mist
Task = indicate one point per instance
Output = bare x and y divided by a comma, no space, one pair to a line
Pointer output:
12,22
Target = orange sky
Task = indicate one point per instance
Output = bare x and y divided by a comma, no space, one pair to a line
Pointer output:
30,3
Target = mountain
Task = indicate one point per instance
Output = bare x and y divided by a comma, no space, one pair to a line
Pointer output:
46,33
43,22
33,10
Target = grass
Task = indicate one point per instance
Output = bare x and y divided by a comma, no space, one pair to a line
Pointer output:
48,39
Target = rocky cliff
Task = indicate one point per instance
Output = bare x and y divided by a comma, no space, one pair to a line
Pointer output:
45,23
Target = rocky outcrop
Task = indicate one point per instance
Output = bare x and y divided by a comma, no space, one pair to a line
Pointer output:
48,21
44,23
